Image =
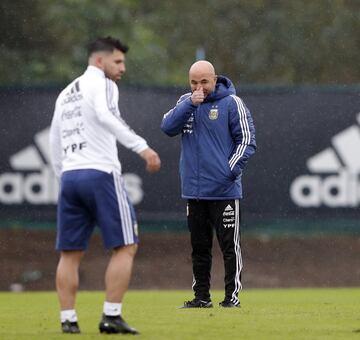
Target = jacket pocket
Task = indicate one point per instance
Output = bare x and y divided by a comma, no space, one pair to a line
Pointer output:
230,173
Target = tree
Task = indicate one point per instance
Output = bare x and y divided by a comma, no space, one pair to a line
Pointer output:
251,41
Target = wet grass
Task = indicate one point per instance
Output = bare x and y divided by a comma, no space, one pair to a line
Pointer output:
264,314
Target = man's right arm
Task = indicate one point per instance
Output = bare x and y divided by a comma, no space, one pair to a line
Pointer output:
173,121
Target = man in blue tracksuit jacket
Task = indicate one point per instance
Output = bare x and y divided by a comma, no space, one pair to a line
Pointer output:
218,138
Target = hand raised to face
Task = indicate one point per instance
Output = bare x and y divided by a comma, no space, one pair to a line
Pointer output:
198,96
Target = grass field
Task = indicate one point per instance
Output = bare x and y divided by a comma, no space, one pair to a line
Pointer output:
265,314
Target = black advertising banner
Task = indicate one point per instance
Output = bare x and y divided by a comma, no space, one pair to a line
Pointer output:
307,164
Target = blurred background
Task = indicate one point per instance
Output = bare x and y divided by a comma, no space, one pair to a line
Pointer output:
296,66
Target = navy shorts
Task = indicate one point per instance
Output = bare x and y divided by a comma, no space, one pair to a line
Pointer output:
91,197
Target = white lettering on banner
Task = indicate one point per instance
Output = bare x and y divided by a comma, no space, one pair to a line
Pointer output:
35,188
8,183
43,188
133,186
339,190
35,183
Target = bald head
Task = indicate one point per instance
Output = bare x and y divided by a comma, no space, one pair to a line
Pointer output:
203,67
202,77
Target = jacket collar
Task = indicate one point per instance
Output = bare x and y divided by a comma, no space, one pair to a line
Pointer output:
223,88
95,70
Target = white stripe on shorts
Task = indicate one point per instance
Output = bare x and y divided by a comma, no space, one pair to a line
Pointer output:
124,208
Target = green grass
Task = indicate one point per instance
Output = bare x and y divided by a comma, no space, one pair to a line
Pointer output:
265,314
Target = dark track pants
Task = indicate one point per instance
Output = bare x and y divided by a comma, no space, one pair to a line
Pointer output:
223,216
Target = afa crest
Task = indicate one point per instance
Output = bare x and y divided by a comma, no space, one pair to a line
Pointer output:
213,114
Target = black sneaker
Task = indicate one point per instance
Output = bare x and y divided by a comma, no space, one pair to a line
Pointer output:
70,327
197,303
229,304
115,324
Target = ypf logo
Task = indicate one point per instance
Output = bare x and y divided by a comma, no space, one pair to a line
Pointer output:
335,181
34,182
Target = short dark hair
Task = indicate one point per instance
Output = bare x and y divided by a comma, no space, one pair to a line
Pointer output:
106,44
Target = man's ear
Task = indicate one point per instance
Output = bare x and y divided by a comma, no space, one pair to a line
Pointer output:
99,61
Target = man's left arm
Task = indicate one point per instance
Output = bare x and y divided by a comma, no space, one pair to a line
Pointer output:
118,127
243,132
112,121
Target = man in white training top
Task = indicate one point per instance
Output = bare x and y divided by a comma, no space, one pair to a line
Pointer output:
85,128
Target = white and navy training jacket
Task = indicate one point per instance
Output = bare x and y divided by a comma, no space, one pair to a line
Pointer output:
218,138
86,125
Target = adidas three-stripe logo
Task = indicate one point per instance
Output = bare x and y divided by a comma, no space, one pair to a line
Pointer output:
340,164
33,182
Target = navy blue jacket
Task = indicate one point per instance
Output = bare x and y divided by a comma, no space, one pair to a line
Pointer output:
218,137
